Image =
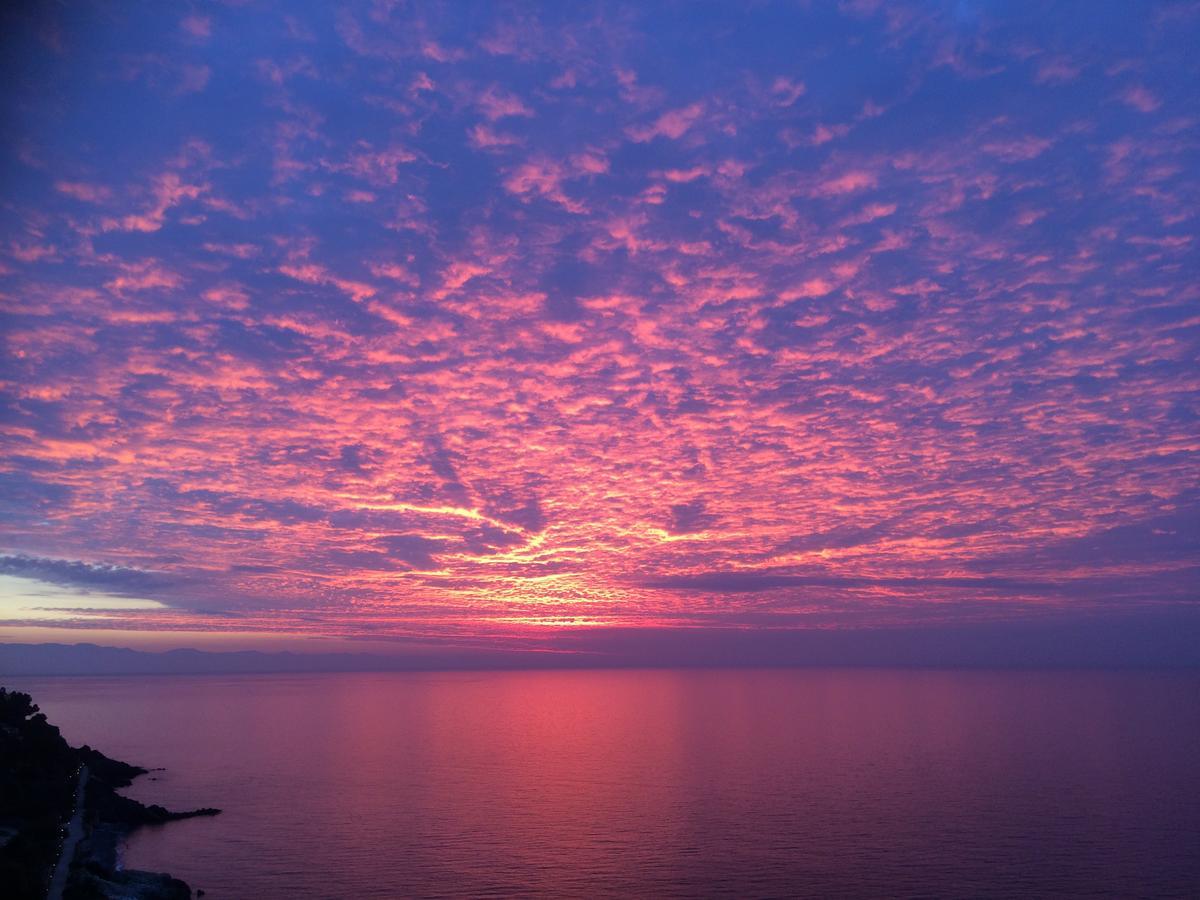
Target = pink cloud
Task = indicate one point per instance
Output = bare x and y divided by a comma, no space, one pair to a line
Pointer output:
823,134
169,190
683,176
496,103
240,251
393,271
1140,98
545,177
813,287
197,26
848,183
88,193
590,163
312,273
672,124
439,53
1018,149
484,137
377,167
459,273
32,252
785,91
229,296
1056,71
870,213
143,276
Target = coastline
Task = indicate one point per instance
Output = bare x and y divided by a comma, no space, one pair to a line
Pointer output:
64,818
97,869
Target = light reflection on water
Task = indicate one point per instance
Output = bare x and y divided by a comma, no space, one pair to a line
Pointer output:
745,783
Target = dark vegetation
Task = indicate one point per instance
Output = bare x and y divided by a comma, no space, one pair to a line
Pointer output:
38,775
37,785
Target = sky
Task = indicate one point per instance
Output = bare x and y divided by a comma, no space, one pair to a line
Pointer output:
538,327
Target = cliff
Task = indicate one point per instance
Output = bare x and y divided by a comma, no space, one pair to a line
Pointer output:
40,778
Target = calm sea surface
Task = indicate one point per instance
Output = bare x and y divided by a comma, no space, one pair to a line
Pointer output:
659,783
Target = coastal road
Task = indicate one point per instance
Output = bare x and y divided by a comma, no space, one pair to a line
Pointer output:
74,832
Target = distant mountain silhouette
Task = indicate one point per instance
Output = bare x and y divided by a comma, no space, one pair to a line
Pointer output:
1167,638
91,659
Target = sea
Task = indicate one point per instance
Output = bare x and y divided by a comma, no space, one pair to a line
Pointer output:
658,783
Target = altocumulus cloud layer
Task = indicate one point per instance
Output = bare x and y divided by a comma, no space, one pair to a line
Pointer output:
465,321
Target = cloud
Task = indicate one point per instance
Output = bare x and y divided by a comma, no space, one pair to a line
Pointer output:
79,574
374,165
847,183
482,329
197,26
496,103
672,124
1018,149
1056,70
87,193
546,178
837,538
487,138
1140,98
738,582
168,190
143,275
785,91
527,513
691,517
414,549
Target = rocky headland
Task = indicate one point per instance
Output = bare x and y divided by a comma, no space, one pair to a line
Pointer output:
49,846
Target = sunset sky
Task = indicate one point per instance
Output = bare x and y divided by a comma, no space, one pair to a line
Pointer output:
497,326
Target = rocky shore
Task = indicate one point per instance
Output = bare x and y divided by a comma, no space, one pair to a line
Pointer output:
39,776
